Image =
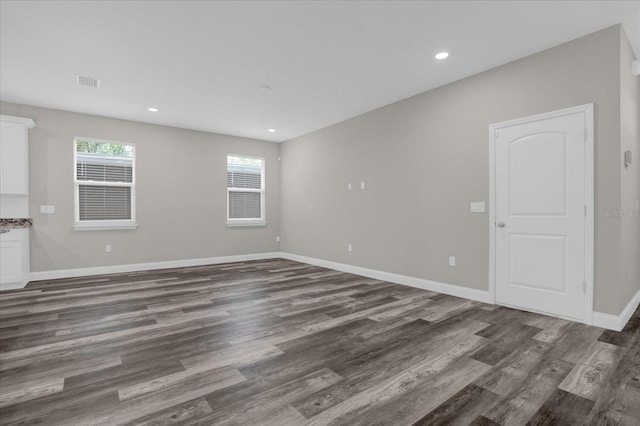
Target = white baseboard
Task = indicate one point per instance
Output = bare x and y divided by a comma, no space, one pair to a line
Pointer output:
617,322
453,290
608,321
116,269
11,286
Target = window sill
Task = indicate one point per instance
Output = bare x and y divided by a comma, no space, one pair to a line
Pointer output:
241,223
105,226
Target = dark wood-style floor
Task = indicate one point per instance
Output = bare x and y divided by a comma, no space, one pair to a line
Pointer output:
283,343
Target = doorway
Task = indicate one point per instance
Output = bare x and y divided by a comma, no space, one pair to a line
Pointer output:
542,213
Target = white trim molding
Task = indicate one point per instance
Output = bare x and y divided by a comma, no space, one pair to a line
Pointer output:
617,322
453,290
135,267
26,122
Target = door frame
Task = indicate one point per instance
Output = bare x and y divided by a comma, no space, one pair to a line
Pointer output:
588,111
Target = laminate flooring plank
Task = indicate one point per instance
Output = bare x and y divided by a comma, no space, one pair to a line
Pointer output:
592,372
73,410
25,342
461,409
562,408
407,397
176,415
552,328
522,404
292,308
238,356
415,307
425,397
15,394
30,375
575,342
506,344
359,304
370,368
344,335
619,400
19,321
160,396
173,317
171,380
126,374
438,311
107,343
513,371
323,325
273,405
483,421
108,289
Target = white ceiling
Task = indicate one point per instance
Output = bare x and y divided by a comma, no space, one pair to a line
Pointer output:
202,63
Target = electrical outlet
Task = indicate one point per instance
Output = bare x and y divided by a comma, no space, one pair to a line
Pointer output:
362,185
452,261
349,186
278,239
107,248
349,248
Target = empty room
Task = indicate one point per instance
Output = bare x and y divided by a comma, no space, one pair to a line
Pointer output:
319,213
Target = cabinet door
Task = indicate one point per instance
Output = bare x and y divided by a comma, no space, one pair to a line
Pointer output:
14,160
10,264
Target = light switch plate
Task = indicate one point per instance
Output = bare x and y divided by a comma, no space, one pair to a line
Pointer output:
47,209
477,207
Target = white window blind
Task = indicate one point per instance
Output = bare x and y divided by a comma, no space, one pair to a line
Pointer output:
245,190
104,184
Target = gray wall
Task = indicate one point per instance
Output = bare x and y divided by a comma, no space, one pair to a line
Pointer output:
425,158
630,178
181,193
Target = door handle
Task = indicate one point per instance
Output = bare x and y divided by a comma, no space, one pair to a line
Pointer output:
501,224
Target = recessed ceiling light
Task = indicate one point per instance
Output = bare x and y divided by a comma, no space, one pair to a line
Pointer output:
442,55
153,109
271,130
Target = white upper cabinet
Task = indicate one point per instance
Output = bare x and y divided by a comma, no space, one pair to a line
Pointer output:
14,155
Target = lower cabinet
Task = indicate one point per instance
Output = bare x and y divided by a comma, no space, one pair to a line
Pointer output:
14,259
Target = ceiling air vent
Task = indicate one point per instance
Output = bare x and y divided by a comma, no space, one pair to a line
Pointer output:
88,81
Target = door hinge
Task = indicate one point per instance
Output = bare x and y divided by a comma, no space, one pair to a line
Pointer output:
586,133
496,134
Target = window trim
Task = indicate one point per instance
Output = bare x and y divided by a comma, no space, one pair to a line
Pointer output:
102,225
262,221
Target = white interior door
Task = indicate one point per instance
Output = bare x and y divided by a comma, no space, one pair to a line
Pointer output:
541,206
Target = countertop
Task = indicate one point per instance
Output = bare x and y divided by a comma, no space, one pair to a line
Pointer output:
15,223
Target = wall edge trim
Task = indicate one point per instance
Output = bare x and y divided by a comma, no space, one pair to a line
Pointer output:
617,322
421,283
136,267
